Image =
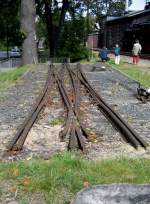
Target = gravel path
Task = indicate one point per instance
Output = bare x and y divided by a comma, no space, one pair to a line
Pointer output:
17,103
119,92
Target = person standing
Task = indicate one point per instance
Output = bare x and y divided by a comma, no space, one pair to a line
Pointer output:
136,51
117,54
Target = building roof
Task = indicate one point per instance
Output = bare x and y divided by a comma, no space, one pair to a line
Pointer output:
128,15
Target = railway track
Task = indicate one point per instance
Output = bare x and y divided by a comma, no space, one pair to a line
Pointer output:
74,129
18,141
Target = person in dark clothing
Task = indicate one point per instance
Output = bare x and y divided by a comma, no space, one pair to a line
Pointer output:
103,54
117,54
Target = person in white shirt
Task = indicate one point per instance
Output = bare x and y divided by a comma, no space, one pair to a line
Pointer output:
136,51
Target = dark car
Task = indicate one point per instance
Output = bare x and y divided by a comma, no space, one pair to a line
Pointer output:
15,52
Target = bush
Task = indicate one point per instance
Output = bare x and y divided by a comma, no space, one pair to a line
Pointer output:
75,53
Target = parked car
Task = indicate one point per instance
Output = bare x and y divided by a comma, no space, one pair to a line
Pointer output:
15,52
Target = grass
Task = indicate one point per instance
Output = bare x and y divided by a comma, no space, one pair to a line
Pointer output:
8,78
134,72
65,174
56,121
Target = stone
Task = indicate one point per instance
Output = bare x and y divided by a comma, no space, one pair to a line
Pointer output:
99,68
113,194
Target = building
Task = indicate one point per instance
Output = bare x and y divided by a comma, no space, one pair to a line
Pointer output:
126,29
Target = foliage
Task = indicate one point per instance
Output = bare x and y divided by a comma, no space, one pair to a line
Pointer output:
56,19
73,38
75,53
10,33
65,174
102,8
73,13
2,46
53,15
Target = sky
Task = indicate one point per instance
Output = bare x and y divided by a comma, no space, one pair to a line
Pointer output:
137,5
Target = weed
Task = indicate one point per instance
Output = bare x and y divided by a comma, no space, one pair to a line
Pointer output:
56,121
8,78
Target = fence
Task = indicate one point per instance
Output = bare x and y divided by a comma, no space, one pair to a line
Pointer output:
10,62
16,62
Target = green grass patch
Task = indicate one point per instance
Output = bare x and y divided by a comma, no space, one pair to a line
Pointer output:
65,174
134,72
56,121
8,78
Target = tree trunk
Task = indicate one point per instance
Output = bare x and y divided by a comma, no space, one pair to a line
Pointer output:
54,32
50,27
28,13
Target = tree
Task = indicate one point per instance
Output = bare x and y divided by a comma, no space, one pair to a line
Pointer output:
28,14
73,38
53,12
10,34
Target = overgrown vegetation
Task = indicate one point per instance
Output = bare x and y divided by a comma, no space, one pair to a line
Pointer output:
65,174
8,78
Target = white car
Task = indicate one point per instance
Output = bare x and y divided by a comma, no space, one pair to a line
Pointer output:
15,52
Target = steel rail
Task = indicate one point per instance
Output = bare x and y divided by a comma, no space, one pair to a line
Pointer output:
71,124
67,103
128,132
76,87
18,141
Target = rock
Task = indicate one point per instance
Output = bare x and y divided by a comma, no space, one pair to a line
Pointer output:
99,68
113,194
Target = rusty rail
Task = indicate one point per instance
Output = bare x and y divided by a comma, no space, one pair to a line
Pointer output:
74,126
127,131
18,141
72,129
